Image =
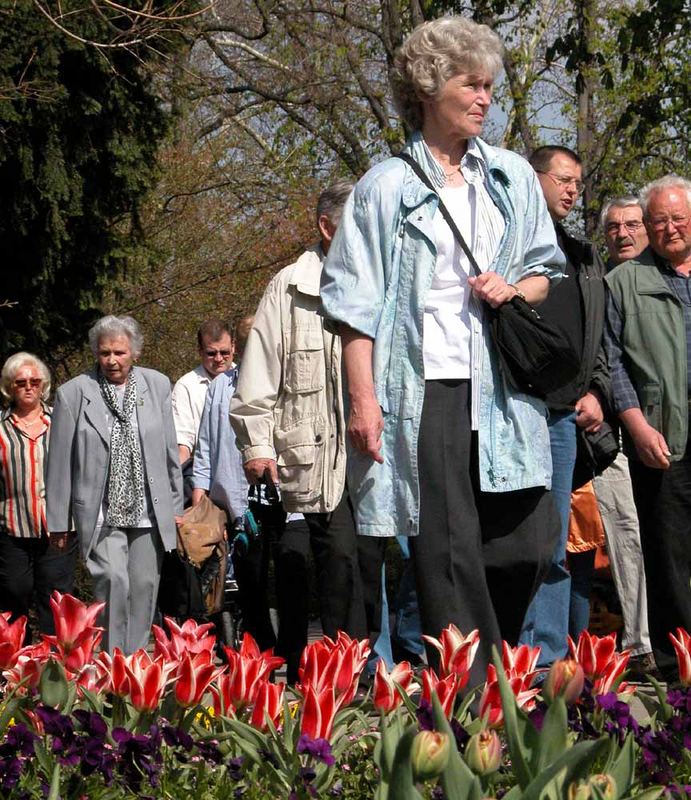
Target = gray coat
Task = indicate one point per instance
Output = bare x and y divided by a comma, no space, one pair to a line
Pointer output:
79,455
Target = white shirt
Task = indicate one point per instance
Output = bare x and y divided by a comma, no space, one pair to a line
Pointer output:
446,333
189,396
482,227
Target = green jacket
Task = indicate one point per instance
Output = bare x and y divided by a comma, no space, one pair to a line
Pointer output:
654,347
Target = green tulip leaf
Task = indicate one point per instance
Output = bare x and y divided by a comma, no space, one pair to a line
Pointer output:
554,734
665,709
54,793
458,781
622,765
649,794
52,685
572,765
402,784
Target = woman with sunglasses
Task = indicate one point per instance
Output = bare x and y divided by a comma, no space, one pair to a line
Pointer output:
32,562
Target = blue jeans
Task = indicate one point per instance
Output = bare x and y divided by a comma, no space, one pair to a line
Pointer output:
407,629
382,646
546,623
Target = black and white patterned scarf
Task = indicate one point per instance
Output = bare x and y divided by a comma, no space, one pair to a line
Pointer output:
126,479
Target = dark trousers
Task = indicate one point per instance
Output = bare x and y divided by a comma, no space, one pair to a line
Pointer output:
348,577
479,556
251,571
663,502
33,569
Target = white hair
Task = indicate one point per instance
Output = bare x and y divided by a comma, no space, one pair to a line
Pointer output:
111,327
659,185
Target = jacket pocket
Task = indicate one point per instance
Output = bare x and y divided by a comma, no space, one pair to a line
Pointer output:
305,369
651,404
300,460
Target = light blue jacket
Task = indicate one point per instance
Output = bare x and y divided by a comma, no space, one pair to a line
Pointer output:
375,279
217,462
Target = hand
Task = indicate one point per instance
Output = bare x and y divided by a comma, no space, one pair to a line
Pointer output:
197,495
651,446
365,426
256,467
492,288
589,414
59,539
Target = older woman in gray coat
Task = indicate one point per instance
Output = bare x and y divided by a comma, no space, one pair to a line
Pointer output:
113,469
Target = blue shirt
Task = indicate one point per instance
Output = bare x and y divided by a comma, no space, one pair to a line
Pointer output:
217,461
375,280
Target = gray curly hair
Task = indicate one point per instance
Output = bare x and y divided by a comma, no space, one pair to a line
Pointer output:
435,52
111,327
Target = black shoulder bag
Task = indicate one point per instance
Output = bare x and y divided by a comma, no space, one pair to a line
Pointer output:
535,356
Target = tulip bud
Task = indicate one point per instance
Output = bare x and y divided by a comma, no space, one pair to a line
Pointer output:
583,790
429,754
565,679
483,752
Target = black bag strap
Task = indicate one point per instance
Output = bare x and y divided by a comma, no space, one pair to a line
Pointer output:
417,169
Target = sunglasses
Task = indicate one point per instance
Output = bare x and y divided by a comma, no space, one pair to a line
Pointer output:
214,353
22,383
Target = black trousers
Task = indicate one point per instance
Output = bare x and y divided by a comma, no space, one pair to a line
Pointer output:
30,569
479,556
663,502
348,580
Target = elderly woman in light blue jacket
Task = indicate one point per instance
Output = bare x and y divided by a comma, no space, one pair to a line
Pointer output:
443,450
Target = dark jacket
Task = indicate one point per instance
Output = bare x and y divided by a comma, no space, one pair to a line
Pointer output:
594,373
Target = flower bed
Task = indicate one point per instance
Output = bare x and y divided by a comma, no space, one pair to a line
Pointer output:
75,724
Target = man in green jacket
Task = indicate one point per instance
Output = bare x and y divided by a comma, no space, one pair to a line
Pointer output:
648,340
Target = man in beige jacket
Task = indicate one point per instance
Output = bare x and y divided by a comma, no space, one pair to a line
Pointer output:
288,418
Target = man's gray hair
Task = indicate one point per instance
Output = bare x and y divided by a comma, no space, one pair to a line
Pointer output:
628,201
437,51
111,327
659,185
333,198
12,366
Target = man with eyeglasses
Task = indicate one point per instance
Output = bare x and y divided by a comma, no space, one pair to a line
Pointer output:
561,605
648,341
625,233
621,220
189,393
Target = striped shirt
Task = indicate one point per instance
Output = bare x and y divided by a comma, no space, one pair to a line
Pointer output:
22,473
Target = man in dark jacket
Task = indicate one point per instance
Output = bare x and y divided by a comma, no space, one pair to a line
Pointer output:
577,306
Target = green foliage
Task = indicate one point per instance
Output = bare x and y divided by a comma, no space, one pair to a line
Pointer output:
79,132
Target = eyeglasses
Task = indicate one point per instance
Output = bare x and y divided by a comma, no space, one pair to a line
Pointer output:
214,353
22,383
564,180
631,225
660,224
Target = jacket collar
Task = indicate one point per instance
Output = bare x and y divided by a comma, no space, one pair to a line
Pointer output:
474,165
95,403
307,271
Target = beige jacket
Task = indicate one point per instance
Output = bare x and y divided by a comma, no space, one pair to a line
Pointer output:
288,404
